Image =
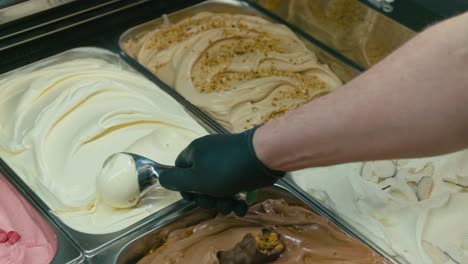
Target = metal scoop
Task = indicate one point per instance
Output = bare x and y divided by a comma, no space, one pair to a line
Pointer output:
147,172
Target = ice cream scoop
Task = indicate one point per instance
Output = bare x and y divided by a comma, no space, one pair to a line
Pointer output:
125,177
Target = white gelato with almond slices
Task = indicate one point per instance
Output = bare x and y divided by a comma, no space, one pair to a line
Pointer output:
415,209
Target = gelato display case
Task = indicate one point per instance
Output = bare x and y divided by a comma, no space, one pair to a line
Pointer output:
270,71
403,206
75,109
365,31
360,33
11,10
80,80
299,222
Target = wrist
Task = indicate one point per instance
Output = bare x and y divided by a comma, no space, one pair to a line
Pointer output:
263,150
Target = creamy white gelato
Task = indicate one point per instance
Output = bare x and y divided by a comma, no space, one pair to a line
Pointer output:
416,211
117,183
59,123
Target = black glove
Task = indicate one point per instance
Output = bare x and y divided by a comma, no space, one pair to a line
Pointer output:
214,168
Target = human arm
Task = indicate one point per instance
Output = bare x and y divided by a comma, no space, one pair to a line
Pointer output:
413,103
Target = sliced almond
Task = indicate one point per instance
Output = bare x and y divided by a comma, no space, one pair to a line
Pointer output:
367,173
414,175
461,181
427,169
424,188
376,171
450,180
413,186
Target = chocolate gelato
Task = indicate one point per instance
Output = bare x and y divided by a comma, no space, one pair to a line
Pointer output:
305,237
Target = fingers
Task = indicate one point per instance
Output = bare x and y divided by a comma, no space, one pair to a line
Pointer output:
178,179
241,208
205,201
225,205
222,205
184,159
188,196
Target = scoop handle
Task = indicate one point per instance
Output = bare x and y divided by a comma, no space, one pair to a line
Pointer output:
248,197
149,171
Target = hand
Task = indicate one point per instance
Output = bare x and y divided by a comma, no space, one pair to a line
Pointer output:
214,168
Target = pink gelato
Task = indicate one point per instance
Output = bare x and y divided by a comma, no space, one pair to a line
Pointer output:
27,236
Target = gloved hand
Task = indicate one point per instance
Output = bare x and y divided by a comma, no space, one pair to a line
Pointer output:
214,168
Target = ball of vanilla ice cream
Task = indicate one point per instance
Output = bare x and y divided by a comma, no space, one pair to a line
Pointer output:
117,184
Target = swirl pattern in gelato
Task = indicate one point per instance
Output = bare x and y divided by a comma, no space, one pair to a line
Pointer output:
60,122
415,209
242,70
307,237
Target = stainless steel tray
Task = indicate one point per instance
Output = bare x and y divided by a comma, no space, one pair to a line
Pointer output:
291,185
136,246
14,9
91,244
344,68
67,251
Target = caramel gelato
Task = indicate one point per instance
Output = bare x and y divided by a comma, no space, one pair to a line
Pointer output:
272,227
242,70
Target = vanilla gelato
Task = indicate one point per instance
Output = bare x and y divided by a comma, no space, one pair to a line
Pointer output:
414,209
58,123
242,70
117,183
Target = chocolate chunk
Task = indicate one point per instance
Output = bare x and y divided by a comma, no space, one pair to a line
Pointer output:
263,247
